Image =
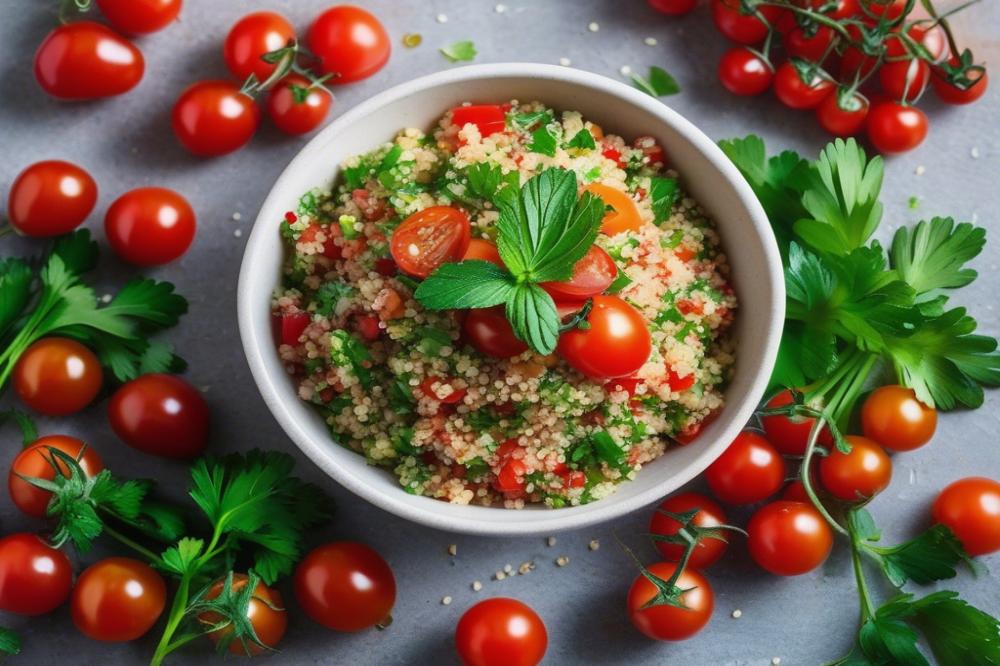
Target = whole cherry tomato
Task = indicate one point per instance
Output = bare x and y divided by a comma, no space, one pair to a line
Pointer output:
150,226
251,38
350,43
893,417
50,198
625,214
666,622
673,7
949,93
213,118
616,344
488,118
796,93
140,17
750,470
160,414
345,586
970,507
36,461
266,613
591,276
117,599
789,538
795,492
743,72
895,127
790,434
710,514
295,106
57,376
489,331
841,114
430,237
501,632
87,60
485,250
34,577
858,475
743,28
811,46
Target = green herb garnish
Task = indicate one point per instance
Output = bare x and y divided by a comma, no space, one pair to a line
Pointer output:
583,140
658,84
459,51
663,193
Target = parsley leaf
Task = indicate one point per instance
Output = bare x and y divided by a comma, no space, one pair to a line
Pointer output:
347,351
582,140
329,295
467,284
658,84
929,557
182,558
956,632
10,641
15,285
663,193
932,254
487,179
459,51
543,141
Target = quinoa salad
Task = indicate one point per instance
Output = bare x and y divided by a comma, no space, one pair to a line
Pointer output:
418,312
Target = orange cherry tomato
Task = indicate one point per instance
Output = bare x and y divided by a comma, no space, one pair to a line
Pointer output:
57,376
266,613
36,462
665,622
893,417
617,343
51,198
624,217
117,599
485,250
591,276
858,475
429,238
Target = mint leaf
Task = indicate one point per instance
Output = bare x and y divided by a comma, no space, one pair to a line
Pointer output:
582,140
543,142
663,193
931,255
532,315
658,84
467,284
459,51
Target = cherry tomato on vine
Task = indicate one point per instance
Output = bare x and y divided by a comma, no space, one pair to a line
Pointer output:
430,237
252,37
901,78
87,60
489,331
789,538
57,376
591,276
345,586
743,72
811,46
140,17
673,7
150,226
50,198
117,599
160,414
739,27
795,492
34,577
970,507
893,417
501,632
36,461
624,217
750,470
790,434
350,43
858,475
895,127
949,93
295,106
617,343
213,118
842,115
266,613
484,250
665,622
796,93
710,514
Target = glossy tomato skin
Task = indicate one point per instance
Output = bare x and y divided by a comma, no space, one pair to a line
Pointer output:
34,577
858,475
896,128
345,586
789,538
35,461
617,343
162,415
893,417
799,44
710,514
266,613
150,226
743,72
904,76
673,7
250,38
489,331
840,121
87,60
790,435
213,118
749,471
485,250
665,622
501,632
140,17
488,118
57,376
430,237
796,93
970,507
50,198
591,276
624,217
350,43
742,28
950,94
292,116
117,599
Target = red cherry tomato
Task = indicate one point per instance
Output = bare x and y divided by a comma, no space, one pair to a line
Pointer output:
743,72
485,250
591,276
948,93
345,586
350,43
970,507
266,614
795,492
858,475
36,461
904,78
295,106
150,226
739,27
896,128
488,118
789,538
251,38
842,115
34,577
213,118
117,599
790,435
749,471
160,414
673,7
666,622
617,343
893,417
87,60
489,331
429,238
50,198
710,514
292,326
57,376
812,47
796,93
501,632
140,17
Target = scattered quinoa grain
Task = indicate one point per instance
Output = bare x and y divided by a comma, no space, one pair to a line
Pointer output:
476,586
526,567
594,544
593,26
445,601
737,614
920,170
442,18
237,216
565,62
106,298
499,575
453,549
974,152
238,233
500,8
551,541
649,41
776,661
562,561
507,568
624,70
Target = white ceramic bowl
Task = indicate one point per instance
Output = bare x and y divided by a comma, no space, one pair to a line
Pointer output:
705,172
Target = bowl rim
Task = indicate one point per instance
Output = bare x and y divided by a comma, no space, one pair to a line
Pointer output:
255,341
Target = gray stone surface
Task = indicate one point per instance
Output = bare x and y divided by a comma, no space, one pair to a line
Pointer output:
127,142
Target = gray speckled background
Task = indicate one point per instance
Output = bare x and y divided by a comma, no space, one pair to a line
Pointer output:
126,142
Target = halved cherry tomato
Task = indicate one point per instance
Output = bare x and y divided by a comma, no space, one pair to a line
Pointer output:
295,106
842,115
292,326
624,217
57,376
488,118
893,417
485,250
489,331
427,387
140,17
790,435
950,94
429,238
87,60
350,43
36,461
266,614
213,118
970,507
50,198
150,226
510,476
789,538
34,577
749,471
250,38
117,599
162,415
501,632
708,550
743,28
666,622
858,475
616,344
591,276
345,586
796,93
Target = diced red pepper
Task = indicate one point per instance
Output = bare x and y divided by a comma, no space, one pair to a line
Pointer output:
627,384
510,476
292,326
687,306
678,383
291,217
427,386
385,267
368,327
489,118
574,479
613,154
331,250
507,448
651,149
327,394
